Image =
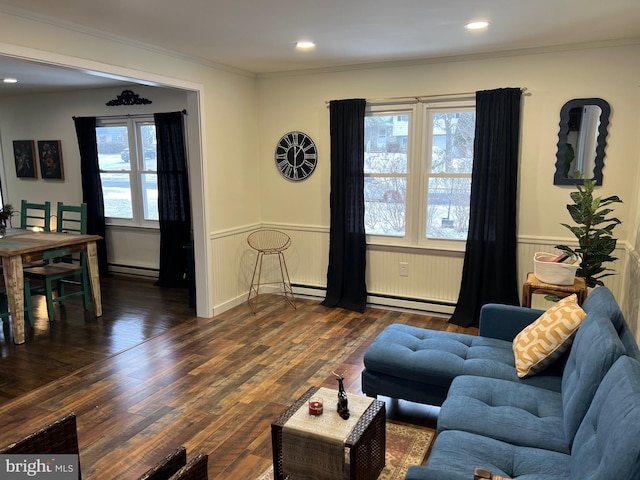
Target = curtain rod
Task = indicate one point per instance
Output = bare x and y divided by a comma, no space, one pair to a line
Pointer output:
417,98
184,112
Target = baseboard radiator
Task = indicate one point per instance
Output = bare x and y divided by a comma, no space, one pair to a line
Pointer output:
133,271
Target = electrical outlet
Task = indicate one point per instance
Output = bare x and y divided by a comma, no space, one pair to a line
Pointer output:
404,269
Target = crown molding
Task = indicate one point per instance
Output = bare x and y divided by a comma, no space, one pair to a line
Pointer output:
481,55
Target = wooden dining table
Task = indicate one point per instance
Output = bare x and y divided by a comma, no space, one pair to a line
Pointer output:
18,247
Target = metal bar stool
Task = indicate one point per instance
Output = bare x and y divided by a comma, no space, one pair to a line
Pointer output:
269,242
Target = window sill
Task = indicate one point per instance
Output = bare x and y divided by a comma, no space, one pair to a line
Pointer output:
447,246
120,226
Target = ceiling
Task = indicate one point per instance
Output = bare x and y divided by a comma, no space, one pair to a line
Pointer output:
258,36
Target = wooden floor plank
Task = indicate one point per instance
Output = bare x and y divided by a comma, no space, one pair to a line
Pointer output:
149,376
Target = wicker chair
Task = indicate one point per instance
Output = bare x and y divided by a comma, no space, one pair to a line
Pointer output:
196,469
59,437
167,466
269,242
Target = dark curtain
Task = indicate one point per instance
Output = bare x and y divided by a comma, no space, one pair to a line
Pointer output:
174,208
346,286
489,270
92,185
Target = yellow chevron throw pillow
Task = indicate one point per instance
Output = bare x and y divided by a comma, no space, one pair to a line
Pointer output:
542,342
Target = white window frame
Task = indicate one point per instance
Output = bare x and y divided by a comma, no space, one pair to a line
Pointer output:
136,169
419,160
413,150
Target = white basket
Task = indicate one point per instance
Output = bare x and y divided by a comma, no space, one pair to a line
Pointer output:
554,273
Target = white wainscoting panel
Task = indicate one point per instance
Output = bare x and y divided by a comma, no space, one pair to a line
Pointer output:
234,262
432,283
433,277
631,294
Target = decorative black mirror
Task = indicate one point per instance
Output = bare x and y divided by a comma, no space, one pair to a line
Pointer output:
581,141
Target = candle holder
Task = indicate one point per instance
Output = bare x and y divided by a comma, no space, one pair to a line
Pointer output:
316,406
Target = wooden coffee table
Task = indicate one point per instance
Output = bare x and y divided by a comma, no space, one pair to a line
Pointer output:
365,445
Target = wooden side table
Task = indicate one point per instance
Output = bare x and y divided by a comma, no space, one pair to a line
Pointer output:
365,444
534,286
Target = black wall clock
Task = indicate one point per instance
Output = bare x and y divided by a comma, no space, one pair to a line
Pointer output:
296,156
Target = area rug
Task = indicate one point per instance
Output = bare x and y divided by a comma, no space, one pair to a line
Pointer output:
407,445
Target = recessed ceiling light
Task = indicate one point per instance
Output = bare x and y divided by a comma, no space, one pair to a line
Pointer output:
305,45
10,80
476,25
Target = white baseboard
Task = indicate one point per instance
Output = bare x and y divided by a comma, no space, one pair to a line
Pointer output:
228,305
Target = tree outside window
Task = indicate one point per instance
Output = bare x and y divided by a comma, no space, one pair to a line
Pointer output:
417,168
127,159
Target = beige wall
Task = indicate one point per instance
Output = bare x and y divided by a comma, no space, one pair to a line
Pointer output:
298,102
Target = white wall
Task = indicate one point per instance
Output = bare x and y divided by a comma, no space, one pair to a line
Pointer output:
222,122
49,117
236,187
298,102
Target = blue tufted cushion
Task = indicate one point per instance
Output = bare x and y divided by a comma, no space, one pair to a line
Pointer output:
404,351
607,444
506,411
434,357
456,454
595,350
529,416
602,300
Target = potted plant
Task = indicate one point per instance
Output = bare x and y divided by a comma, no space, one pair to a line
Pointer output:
594,232
5,214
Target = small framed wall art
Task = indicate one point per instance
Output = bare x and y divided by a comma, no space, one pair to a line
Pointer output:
50,152
24,154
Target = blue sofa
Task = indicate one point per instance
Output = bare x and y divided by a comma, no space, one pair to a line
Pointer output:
579,419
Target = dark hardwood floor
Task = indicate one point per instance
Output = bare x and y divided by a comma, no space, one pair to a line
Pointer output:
133,311
149,376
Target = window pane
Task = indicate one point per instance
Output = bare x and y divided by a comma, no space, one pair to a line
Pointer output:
386,141
448,207
452,147
385,168
385,205
116,189
148,134
150,196
113,151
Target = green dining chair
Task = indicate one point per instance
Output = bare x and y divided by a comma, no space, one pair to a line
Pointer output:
53,275
71,218
60,268
35,215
